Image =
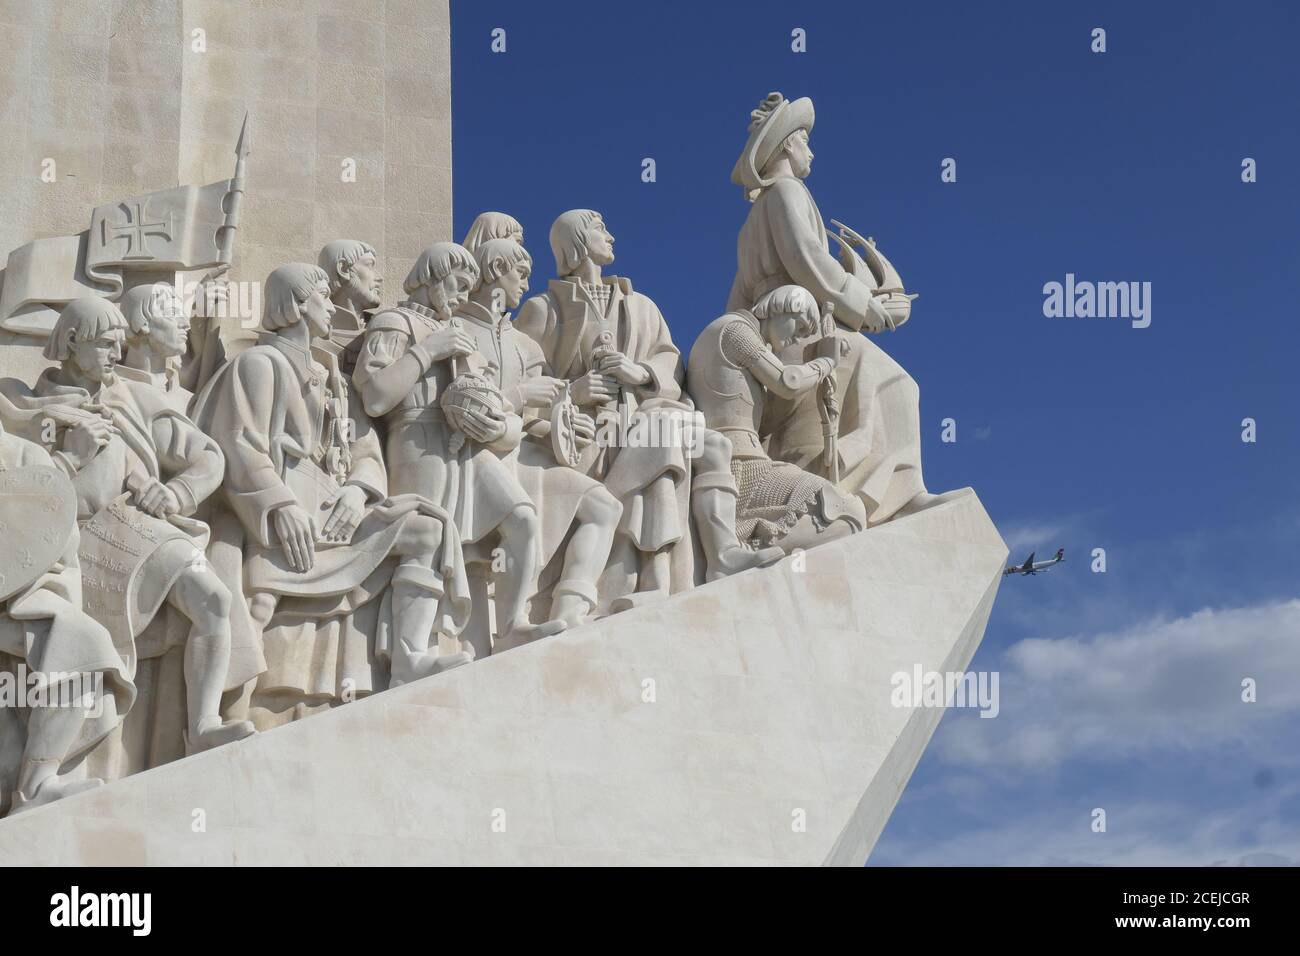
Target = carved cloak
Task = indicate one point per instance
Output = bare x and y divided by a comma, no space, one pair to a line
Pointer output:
783,242
510,358
472,484
282,418
652,483
45,627
154,440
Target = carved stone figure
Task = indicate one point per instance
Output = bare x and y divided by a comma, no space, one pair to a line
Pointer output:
734,365
412,354
613,347
783,242
576,510
492,225
356,289
367,496
140,469
322,537
204,350
43,628
156,340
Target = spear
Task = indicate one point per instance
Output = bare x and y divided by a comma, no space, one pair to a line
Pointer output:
233,200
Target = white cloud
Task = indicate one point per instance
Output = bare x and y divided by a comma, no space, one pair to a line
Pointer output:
1160,685
1023,536
1137,834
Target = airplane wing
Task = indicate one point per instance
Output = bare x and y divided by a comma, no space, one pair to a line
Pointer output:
1029,562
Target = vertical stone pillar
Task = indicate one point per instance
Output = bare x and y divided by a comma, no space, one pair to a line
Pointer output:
126,97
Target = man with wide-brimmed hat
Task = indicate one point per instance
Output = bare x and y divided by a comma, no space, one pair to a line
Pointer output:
783,242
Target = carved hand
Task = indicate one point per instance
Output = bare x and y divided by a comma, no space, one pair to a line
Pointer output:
348,511
594,389
84,439
447,342
293,528
157,499
878,317
622,368
211,297
481,427
584,429
828,318
542,391
829,347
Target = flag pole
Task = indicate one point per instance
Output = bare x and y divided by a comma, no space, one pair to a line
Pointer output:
233,201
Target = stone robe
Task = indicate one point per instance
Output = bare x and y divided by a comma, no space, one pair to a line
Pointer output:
204,354
472,484
45,627
652,483
347,334
168,385
281,416
130,560
783,242
154,441
510,358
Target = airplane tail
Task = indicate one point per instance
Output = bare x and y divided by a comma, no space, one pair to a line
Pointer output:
1060,554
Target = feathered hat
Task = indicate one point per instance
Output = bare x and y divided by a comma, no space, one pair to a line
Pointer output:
770,124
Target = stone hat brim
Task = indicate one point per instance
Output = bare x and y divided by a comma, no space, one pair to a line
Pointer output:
788,117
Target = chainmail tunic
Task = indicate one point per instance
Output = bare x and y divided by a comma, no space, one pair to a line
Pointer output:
773,496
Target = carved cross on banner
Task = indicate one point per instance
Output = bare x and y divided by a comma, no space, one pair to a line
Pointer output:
136,231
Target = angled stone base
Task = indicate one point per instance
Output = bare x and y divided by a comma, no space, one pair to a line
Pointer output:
699,731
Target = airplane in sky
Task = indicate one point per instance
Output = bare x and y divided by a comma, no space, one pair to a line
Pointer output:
1029,567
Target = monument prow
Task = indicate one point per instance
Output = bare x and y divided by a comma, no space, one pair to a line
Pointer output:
748,721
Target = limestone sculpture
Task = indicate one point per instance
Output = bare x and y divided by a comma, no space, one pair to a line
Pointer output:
613,347
734,366
492,225
140,469
783,242
567,499
43,626
236,534
157,339
412,355
356,289
320,528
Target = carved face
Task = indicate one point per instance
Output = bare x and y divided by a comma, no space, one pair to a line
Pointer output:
318,310
800,153
514,285
450,294
780,331
600,243
95,359
362,283
169,326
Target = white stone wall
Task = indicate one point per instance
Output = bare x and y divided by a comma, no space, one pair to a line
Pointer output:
772,694
114,92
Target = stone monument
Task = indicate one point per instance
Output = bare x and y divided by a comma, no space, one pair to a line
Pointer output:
325,564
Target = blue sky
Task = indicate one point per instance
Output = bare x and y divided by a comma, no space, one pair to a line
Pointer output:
1119,690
